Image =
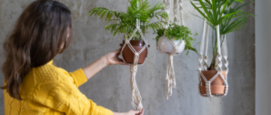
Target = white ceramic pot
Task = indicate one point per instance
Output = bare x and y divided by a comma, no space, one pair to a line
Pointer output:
165,46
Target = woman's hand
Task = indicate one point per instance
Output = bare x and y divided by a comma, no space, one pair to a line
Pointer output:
135,112
131,112
113,59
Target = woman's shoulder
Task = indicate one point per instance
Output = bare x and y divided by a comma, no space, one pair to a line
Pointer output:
44,76
47,73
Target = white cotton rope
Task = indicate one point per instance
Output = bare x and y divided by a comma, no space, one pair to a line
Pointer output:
218,59
225,54
202,45
181,11
167,10
175,9
170,76
206,50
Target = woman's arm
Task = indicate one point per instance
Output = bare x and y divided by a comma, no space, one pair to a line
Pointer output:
108,59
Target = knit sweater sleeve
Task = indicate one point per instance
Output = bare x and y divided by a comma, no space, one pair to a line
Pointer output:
79,77
65,97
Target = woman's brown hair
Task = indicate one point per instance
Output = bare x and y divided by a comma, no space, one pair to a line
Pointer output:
39,35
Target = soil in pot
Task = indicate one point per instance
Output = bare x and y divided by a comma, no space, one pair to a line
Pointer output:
128,54
217,86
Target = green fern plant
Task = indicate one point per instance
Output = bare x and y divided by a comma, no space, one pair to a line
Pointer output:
225,13
125,22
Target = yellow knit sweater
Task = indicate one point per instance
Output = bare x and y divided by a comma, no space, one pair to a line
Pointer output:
49,90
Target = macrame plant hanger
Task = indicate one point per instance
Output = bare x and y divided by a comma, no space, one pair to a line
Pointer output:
170,76
136,99
204,57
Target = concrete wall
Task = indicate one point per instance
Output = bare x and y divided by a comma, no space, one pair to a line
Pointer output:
111,86
263,65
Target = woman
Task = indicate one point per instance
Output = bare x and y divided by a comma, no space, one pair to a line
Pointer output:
33,85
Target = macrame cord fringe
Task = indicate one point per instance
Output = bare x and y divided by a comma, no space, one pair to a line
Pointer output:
170,76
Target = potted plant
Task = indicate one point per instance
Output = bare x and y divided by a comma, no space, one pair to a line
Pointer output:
224,16
173,40
179,35
125,23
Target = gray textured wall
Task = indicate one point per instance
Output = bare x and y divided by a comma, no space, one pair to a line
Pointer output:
262,68
111,86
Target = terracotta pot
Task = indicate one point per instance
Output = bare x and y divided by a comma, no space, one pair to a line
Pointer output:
215,89
217,85
128,55
166,46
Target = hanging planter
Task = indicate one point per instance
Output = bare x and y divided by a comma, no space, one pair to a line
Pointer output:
133,25
172,40
128,54
212,79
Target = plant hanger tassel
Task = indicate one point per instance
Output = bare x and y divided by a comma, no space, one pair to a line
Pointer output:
136,99
203,57
170,76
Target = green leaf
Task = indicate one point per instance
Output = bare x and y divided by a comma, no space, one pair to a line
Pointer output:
199,11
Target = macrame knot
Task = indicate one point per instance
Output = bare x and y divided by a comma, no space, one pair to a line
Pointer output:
127,41
136,54
133,68
174,51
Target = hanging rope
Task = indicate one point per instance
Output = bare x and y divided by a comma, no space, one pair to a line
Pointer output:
225,53
175,9
181,11
226,62
170,76
201,52
167,10
206,51
136,99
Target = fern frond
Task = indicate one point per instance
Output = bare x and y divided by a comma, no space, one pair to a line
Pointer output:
101,12
154,26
